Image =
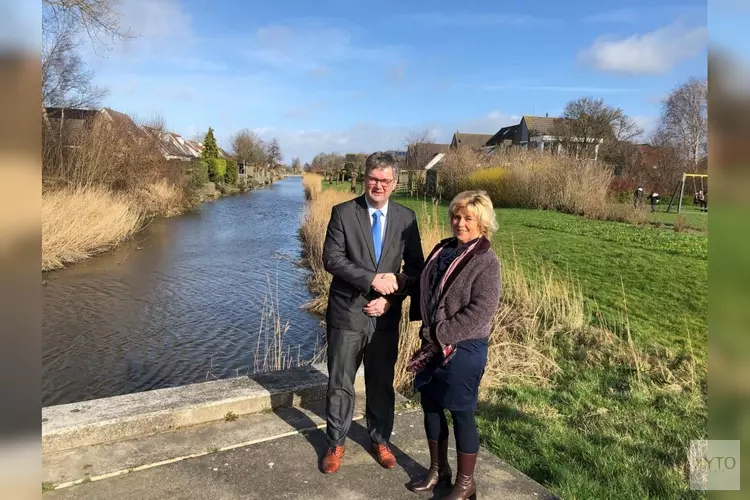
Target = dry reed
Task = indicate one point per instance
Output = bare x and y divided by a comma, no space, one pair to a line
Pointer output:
78,223
536,180
313,232
101,181
542,316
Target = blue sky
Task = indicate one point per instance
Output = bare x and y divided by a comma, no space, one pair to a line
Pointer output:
336,75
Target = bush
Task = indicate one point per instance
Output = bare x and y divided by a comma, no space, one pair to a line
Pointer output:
199,174
217,170
233,172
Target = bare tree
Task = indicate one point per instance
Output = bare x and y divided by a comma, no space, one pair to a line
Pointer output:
65,80
296,165
328,163
684,120
247,147
419,149
586,120
274,153
96,17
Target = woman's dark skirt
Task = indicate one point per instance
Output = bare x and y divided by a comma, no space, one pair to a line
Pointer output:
455,386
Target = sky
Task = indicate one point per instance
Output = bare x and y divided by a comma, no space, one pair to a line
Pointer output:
354,76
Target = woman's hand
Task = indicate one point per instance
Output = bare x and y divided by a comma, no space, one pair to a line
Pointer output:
424,333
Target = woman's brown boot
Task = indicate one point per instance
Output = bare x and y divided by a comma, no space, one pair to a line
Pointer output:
465,487
439,469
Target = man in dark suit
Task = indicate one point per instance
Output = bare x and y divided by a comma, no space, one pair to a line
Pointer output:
367,240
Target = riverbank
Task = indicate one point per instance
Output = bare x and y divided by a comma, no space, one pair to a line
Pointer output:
81,222
596,379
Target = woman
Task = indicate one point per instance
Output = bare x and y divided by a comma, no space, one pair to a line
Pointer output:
459,294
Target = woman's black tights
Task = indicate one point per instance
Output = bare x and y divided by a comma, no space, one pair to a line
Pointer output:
464,426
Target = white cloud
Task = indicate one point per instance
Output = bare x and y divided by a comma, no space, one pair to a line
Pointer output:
584,90
437,20
632,14
163,35
656,52
313,47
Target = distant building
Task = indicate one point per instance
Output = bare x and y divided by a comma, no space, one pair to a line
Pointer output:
69,122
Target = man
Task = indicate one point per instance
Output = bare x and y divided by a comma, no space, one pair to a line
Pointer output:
366,242
638,197
654,199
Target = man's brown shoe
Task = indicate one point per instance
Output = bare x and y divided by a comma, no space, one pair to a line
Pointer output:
332,460
383,455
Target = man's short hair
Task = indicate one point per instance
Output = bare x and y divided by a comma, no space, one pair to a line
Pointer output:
380,159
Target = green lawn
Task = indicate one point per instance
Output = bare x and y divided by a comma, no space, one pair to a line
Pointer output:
597,432
664,273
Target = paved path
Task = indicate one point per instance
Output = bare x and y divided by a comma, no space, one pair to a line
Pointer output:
287,468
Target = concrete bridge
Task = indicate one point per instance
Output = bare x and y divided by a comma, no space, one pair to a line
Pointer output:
245,437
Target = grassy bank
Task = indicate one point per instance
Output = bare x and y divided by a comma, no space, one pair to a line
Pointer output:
596,379
80,222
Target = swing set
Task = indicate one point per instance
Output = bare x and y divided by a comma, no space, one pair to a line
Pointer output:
699,196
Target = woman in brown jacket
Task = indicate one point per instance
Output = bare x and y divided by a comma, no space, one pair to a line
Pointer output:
460,294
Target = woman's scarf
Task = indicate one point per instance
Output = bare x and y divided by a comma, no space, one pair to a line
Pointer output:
428,350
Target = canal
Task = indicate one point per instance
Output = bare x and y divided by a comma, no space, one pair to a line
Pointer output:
190,298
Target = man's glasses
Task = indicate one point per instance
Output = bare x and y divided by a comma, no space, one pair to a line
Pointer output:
383,182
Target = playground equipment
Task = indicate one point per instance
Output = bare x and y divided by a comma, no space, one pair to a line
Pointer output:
697,194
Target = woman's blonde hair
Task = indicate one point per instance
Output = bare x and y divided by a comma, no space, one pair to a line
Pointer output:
478,203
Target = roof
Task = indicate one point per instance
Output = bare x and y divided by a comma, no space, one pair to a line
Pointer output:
173,145
542,125
425,151
127,123
435,160
71,113
504,134
475,141
649,154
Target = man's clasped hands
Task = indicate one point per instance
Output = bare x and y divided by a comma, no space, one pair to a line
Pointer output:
386,284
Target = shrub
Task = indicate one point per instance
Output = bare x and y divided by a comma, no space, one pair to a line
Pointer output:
217,169
199,174
530,179
233,172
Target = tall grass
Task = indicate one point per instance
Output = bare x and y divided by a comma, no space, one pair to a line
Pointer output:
78,223
101,181
312,234
541,318
538,180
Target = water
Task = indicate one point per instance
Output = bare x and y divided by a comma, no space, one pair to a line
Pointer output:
181,300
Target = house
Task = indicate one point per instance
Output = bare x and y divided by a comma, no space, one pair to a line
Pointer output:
174,146
419,154
400,155
69,122
537,132
473,141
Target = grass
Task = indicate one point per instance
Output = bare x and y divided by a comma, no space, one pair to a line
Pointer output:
661,270
596,379
102,220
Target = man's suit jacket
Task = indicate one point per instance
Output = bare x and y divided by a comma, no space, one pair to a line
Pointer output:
349,255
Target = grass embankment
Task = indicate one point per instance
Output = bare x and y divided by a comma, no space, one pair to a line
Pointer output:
596,380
